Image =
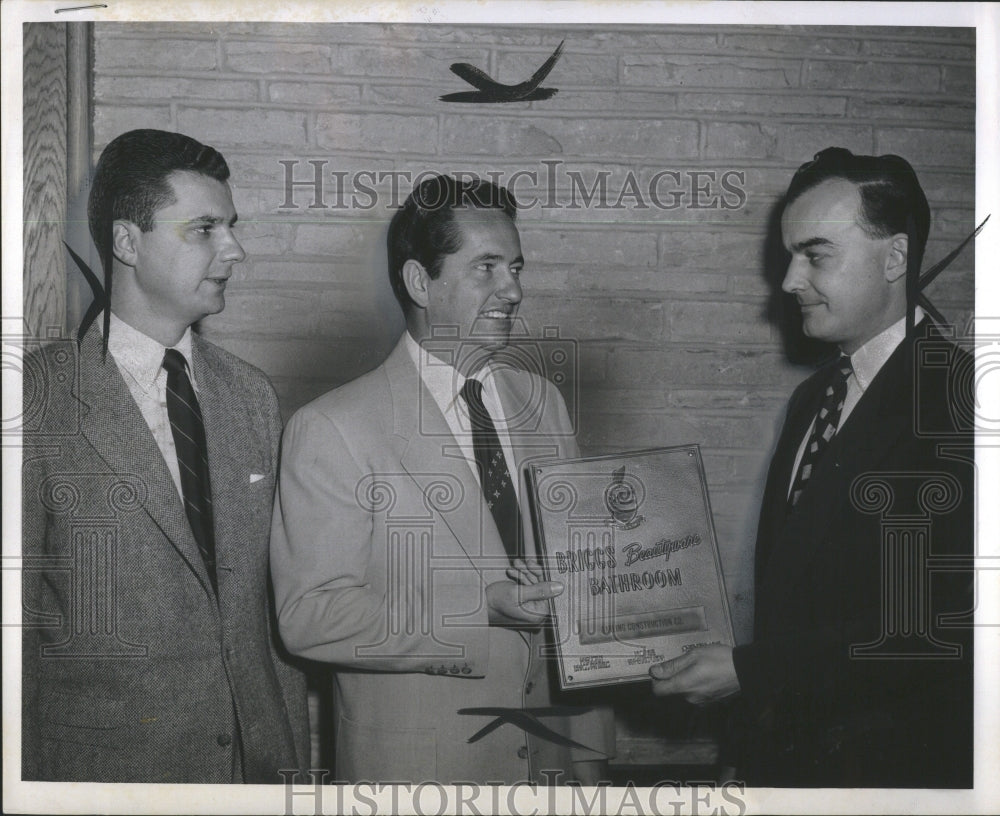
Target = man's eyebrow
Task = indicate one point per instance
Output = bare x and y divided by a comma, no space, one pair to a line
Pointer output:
811,242
211,219
492,256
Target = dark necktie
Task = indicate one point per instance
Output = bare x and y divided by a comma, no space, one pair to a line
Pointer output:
192,456
494,477
824,428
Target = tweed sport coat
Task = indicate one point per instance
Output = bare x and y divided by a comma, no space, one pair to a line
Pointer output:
900,466
133,671
381,549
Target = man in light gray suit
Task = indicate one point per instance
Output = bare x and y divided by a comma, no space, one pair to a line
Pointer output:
150,652
389,561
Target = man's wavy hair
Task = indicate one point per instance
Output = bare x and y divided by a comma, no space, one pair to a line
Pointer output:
892,202
424,228
888,186
131,183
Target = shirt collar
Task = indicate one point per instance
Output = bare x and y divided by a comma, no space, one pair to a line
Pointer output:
140,355
444,381
868,360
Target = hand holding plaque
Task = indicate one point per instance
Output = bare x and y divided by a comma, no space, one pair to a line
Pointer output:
519,603
631,538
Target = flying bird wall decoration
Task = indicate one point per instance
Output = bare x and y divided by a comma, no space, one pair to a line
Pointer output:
491,91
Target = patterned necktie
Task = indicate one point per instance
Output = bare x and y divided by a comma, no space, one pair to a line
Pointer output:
494,477
824,428
192,456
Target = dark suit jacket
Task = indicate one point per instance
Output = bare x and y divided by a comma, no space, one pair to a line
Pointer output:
132,670
813,714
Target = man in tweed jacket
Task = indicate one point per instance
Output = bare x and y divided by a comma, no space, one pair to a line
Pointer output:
146,660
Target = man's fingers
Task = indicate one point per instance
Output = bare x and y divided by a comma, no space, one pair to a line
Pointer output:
672,676
524,573
669,668
534,568
517,576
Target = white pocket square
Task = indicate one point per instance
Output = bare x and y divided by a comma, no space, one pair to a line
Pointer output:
256,477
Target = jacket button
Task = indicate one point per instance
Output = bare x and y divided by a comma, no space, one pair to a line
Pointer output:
455,669
529,686
522,752
224,740
466,670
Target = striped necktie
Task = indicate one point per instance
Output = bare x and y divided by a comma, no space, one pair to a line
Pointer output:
824,428
192,456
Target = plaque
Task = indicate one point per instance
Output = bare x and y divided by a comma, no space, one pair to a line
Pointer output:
630,536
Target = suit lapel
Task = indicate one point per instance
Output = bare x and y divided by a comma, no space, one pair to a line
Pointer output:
116,429
235,450
871,430
802,409
860,445
431,452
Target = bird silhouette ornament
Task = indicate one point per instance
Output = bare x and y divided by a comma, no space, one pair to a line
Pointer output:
491,91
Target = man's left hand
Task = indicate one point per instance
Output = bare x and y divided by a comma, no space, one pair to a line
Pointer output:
703,675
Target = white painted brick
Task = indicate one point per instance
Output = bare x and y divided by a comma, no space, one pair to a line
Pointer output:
272,57
377,132
676,72
152,88
254,127
880,76
155,54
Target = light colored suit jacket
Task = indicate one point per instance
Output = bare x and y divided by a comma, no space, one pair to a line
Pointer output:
381,551
133,670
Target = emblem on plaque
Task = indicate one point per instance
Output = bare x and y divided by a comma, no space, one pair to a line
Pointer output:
622,503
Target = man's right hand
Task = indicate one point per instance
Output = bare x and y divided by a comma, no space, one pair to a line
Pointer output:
518,605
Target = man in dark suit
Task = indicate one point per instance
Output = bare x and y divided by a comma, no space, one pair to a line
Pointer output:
860,668
150,651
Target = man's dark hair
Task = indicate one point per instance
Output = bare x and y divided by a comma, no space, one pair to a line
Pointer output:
889,190
131,179
424,228
131,182
892,202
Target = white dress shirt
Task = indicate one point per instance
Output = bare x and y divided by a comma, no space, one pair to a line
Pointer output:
140,360
444,382
866,362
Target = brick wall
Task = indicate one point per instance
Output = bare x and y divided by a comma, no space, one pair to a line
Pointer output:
672,307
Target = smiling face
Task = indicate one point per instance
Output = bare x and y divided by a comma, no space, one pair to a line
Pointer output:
849,286
478,289
176,273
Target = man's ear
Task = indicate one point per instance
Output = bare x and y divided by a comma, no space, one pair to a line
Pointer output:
895,263
125,237
415,278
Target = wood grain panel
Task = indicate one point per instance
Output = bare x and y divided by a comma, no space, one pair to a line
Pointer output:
44,177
